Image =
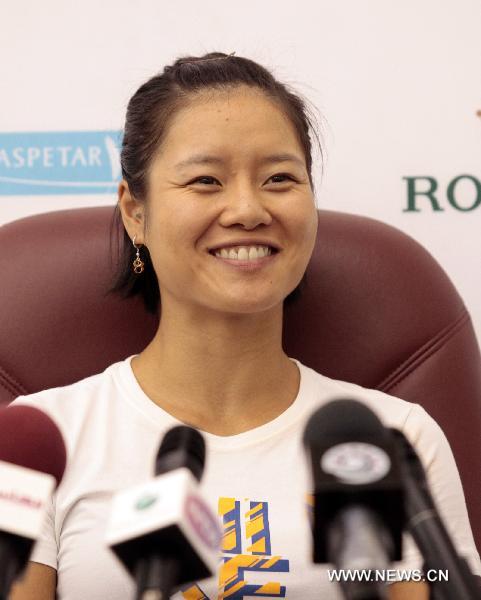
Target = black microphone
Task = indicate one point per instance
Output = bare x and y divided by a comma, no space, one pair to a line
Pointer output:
429,532
358,515
32,463
163,530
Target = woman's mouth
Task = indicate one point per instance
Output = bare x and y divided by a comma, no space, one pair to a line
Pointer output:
245,257
243,253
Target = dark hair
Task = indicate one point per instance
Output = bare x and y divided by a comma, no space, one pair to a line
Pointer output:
149,113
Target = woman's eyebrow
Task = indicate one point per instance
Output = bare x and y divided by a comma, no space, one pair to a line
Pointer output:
199,159
206,159
283,157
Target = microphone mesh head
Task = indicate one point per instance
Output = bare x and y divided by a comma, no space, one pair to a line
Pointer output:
181,446
29,438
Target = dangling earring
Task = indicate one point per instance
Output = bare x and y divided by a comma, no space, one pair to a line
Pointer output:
137,265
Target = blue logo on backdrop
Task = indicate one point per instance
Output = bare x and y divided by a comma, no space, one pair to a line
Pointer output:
66,162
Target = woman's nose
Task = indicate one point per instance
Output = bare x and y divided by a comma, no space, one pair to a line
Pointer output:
244,208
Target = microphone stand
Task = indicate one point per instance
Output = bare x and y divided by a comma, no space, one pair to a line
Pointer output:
438,550
156,576
9,565
430,534
345,554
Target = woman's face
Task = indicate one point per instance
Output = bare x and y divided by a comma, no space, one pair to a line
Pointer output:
230,176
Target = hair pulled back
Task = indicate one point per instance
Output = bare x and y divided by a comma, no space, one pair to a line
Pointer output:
149,113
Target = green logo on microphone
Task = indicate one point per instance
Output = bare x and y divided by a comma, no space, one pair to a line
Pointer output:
146,502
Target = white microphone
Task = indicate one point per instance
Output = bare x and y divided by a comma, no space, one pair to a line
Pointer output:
32,462
163,530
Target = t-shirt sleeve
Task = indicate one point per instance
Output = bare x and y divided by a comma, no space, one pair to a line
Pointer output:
45,550
445,485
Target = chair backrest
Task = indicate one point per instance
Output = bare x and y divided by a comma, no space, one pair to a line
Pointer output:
375,309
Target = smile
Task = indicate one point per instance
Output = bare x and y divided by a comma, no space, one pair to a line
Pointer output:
245,258
243,253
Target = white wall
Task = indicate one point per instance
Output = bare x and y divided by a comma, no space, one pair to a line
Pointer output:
398,83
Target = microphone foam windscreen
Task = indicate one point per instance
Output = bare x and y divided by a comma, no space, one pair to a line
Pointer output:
181,446
29,438
343,419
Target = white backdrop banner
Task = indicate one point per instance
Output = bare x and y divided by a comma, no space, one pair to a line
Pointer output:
398,85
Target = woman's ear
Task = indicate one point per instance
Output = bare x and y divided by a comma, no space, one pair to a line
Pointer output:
133,213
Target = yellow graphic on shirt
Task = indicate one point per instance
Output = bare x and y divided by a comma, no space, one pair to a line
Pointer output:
229,510
246,548
194,593
256,529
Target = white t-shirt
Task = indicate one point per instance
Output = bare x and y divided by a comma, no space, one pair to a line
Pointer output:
256,481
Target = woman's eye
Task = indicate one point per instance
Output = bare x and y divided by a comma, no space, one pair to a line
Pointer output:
205,180
281,178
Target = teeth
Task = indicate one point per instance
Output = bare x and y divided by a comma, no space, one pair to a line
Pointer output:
244,252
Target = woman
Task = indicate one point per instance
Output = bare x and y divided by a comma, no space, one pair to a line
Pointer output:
217,198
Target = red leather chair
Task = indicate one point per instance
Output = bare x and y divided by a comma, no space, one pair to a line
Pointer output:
376,309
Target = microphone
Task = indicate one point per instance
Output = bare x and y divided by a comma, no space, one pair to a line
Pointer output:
163,531
429,532
32,463
358,515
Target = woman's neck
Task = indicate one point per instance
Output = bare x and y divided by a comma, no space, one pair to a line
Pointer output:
223,374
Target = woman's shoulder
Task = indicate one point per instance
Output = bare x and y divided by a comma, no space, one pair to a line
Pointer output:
79,404
393,411
74,395
96,412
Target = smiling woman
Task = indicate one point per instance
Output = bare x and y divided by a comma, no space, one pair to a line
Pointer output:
205,80
217,197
